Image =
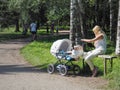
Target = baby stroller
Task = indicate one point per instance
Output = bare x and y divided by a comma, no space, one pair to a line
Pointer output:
59,50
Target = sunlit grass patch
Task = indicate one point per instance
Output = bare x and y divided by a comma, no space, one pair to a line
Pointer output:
38,53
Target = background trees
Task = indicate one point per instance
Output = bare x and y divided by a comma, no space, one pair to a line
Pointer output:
5,14
58,10
25,10
85,14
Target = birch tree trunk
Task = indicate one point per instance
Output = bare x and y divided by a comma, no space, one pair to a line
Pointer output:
72,21
76,27
111,18
117,51
79,22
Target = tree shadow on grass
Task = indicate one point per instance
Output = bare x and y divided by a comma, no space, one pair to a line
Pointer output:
12,36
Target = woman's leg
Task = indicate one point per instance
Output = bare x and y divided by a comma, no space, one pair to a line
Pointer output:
90,55
88,58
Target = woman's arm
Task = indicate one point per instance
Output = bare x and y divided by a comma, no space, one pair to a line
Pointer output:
100,36
87,40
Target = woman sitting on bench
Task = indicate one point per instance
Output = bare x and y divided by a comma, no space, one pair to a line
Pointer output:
100,48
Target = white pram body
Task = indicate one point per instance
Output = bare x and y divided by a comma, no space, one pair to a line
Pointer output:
64,47
60,45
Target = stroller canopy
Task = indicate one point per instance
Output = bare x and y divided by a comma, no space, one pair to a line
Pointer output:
62,44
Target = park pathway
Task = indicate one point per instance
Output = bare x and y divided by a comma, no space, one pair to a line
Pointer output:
17,74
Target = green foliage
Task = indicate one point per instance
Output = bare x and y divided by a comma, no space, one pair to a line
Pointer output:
110,47
23,7
24,4
57,10
91,2
5,14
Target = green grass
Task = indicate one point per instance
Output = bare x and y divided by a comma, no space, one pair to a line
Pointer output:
38,53
114,76
9,33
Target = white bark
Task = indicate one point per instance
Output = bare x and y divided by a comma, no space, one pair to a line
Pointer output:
72,21
117,51
75,21
111,19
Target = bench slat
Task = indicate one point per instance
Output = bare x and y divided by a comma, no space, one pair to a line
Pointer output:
107,56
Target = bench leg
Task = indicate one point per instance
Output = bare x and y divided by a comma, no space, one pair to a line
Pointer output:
105,67
111,62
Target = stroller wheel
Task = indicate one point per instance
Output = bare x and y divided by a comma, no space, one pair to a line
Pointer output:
63,70
76,69
50,68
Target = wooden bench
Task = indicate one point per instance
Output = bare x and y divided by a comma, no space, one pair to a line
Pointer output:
105,59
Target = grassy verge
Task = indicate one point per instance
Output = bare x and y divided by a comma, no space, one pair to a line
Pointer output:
37,53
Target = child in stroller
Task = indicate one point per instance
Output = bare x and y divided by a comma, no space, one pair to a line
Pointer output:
75,53
62,50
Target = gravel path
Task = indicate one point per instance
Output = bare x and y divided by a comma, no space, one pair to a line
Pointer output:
17,74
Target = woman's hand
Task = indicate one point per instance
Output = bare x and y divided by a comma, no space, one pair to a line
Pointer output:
82,39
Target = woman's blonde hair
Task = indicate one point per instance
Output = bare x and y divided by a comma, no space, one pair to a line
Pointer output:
97,30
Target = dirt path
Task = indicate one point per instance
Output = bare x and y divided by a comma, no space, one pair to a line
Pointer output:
17,74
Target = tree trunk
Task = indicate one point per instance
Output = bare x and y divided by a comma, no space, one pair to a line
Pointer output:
76,24
17,25
117,51
96,19
72,22
25,28
79,22
111,19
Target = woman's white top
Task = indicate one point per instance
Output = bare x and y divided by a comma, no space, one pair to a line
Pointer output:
101,44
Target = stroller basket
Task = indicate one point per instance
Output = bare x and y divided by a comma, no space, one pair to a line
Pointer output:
61,55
